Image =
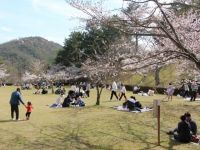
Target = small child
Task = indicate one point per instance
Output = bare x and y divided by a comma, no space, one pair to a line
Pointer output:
29,108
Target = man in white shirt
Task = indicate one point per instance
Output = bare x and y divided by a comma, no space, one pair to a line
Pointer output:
114,90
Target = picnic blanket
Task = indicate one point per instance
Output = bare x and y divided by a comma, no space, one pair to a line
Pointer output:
120,108
55,106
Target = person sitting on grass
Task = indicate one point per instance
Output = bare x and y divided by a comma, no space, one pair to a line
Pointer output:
78,101
37,91
136,89
192,124
59,101
132,104
182,132
151,92
68,99
82,93
192,127
44,91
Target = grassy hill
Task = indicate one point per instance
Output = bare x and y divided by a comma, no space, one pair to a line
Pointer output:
93,127
20,53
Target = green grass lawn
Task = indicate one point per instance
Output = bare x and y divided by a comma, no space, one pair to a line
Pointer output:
92,127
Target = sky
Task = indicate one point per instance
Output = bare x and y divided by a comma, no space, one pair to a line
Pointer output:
50,19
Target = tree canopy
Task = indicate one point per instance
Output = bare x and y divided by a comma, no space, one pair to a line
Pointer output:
90,43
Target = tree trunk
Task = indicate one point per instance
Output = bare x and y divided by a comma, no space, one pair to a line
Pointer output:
99,91
157,75
198,65
52,90
98,95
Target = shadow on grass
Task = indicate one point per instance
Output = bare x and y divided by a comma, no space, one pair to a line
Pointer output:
63,138
9,120
4,121
109,101
173,142
60,137
143,138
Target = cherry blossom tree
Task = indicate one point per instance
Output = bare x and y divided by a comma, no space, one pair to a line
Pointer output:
28,77
38,67
174,35
107,66
3,72
60,73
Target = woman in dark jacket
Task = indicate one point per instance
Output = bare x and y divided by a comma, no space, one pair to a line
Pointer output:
183,131
68,99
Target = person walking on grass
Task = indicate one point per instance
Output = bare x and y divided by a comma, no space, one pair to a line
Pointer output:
15,101
29,108
87,90
123,92
194,89
186,90
169,92
114,90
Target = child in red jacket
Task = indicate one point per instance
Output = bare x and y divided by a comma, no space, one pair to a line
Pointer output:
29,108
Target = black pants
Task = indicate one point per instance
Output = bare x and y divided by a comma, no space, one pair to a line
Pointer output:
186,94
14,108
182,140
28,114
129,105
113,93
87,93
193,96
122,94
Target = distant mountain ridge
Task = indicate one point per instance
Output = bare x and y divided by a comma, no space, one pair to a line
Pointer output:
21,52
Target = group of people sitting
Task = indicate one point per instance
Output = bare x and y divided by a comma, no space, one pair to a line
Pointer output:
26,86
60,90
83,89
44,90
132,104
186,130
149,93
72,99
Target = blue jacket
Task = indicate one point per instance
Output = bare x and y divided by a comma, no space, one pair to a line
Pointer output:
16,98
